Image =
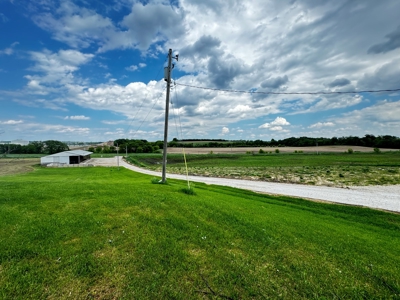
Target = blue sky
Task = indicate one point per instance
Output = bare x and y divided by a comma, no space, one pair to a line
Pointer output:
76,70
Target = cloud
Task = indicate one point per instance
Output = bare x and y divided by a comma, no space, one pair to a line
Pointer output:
9,50
392,43
280,121
383,76
275,125
205,46
11,122
379,119
134,67
55,71
148,24
75,26
79,118
239,109
329,103
226,45
225,130
222,71
339,82
275,82
321,125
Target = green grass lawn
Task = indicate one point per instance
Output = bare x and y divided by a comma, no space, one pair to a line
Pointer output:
330,169
100,233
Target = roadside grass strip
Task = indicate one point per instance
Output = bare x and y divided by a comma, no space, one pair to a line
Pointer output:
104,233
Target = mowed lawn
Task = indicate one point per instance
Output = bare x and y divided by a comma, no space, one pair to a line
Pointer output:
104,233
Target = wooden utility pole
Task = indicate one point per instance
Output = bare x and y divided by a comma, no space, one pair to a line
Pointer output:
167,78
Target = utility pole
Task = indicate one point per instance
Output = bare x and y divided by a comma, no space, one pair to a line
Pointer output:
167,78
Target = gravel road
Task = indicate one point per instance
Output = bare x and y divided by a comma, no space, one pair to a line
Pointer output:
379,197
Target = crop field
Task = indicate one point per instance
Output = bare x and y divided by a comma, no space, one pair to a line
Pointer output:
328,169
104,233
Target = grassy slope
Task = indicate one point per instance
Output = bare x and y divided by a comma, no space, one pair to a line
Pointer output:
99,233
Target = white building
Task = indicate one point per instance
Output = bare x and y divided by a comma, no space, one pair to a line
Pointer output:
66,158
19,142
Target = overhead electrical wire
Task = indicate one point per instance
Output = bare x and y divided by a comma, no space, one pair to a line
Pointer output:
286,93
137,112
155,102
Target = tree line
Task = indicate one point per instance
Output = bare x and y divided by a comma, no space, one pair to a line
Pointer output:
130,146
144,146
369,140
36,147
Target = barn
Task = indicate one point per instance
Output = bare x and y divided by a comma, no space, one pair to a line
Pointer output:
66,158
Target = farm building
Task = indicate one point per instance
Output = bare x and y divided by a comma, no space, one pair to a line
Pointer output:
66,158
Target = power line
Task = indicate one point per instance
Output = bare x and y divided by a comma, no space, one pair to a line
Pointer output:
285,93
143,101
137,130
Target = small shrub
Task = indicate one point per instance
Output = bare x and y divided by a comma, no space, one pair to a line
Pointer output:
261,151
295,151
377,150
211,152
276,150
350,151
189,191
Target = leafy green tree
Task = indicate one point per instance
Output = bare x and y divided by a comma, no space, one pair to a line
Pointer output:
52,146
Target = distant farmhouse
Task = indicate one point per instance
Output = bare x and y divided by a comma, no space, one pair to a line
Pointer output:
65,158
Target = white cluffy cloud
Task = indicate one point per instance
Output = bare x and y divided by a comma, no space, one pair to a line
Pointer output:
225,130
77,118
321,125
276,125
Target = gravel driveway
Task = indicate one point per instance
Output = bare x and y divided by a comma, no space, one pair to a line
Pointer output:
379,197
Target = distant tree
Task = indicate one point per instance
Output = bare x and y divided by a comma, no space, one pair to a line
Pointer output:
52,146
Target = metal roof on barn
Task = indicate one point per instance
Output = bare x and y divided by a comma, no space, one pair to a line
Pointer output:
72,153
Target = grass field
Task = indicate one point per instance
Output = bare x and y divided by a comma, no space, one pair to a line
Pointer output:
330,169
100,233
